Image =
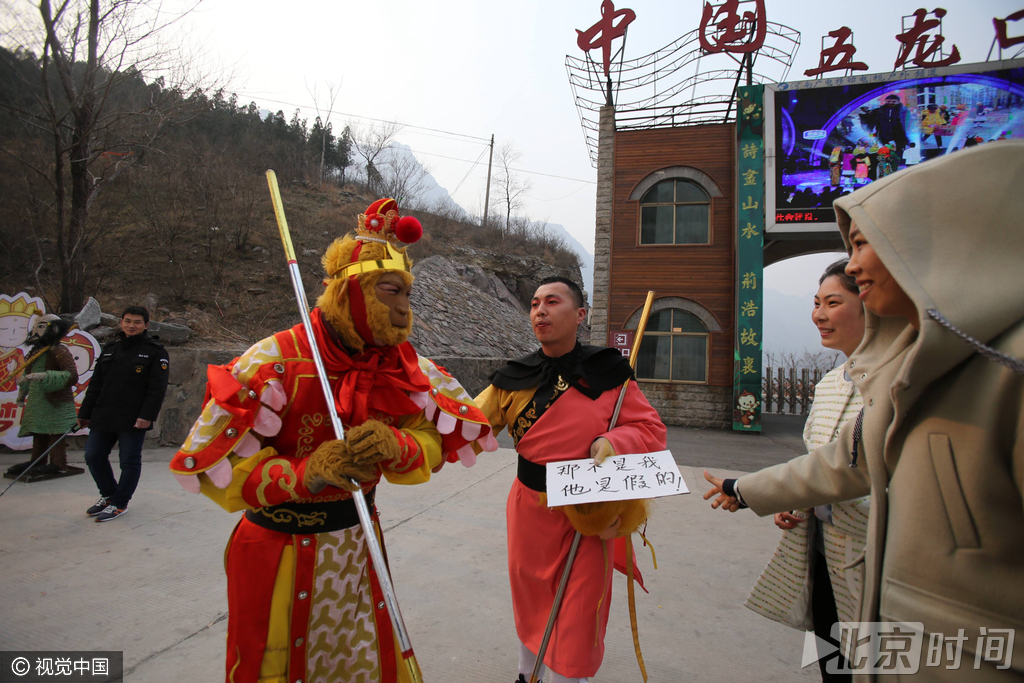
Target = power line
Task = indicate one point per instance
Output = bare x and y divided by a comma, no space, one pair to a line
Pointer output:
518,170
446,137
469,171
556,199
550,175
437,130
370,118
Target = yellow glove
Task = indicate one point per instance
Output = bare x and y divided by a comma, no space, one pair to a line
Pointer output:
337,462
372,442
331,463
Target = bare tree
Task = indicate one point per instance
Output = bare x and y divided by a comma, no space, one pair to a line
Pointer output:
446,209
822,360
93,112
369,142
511,185
325,119
403,177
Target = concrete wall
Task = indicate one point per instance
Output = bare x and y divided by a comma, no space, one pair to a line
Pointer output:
185,390
691,405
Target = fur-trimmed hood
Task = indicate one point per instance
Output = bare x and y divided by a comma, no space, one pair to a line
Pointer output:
950,232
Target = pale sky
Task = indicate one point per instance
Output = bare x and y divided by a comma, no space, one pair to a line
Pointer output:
482,68
478,68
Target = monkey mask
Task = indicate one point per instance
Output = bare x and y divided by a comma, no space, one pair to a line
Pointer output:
355,264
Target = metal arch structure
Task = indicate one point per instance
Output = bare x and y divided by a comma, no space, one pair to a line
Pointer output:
678,85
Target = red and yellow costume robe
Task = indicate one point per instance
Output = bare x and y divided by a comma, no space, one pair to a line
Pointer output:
10,360
307,605
539,537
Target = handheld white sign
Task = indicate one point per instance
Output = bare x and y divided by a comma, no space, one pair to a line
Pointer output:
622,477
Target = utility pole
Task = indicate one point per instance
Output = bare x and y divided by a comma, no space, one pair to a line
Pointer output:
487,192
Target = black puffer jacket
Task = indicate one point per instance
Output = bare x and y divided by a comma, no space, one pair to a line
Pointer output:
129,383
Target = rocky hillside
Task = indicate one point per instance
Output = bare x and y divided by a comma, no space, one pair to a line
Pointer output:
474,303
468,301
470,314
471,297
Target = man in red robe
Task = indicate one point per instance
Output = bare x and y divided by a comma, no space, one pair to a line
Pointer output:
557,403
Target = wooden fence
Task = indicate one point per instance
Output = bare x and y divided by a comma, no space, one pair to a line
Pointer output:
789,390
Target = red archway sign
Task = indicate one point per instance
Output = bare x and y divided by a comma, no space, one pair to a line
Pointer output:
732,31
601,34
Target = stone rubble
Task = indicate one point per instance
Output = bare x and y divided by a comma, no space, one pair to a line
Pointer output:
474,304
89,316
452,317
103,326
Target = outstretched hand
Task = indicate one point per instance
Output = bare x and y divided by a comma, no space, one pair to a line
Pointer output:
722,501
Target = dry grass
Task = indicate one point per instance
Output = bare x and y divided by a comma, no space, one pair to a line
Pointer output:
231,293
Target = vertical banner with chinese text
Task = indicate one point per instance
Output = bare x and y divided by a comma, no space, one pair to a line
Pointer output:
750,168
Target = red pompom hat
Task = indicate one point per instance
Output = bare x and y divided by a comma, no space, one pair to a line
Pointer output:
381,220
381,223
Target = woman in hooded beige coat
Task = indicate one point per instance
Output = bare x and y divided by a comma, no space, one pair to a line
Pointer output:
941,450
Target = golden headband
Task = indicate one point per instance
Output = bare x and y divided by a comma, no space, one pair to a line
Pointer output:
396,260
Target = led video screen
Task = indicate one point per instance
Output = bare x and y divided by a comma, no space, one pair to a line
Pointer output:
833,140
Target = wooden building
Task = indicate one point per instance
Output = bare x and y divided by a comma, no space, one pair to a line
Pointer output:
668,225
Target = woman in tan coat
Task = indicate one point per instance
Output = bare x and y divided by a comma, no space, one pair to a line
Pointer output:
937,254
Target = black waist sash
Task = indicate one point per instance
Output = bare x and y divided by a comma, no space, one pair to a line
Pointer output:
309,518
532,475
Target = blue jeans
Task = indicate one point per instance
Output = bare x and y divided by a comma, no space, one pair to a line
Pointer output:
97,457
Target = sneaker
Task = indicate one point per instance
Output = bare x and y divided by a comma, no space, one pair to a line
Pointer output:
99,507
110,512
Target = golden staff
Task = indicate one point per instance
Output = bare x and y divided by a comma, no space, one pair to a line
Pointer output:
634,352
32,359
365,520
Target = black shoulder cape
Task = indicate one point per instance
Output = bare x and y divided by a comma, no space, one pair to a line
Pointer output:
601,368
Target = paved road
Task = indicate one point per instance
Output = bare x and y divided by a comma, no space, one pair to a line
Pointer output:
781,440
151,583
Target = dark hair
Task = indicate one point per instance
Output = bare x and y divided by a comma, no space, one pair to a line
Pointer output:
574,289
838,269
136,310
